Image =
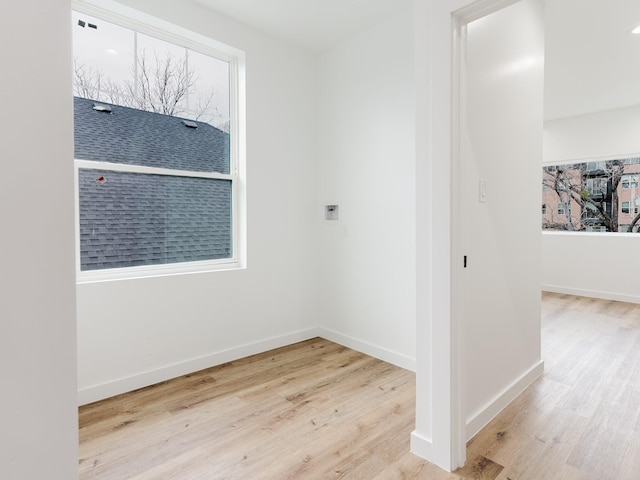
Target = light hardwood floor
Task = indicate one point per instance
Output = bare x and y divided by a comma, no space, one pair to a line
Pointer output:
317,410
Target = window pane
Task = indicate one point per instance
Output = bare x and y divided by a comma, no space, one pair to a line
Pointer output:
210,100
129,219
149,90
103,55
586,192
630,181
135,137
161,77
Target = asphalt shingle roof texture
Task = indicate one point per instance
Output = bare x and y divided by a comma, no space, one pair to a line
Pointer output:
130,219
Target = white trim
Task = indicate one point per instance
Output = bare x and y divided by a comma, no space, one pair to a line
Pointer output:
128,17
604,158
458,118
370,349
481,418
162,270
130,168
590,234
616,297
477,10
108,389
421,445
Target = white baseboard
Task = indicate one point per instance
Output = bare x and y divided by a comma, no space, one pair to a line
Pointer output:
421,446
618,297
94,393
375,351
481,418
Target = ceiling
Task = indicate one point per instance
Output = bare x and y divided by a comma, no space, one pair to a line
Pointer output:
315,25
592,60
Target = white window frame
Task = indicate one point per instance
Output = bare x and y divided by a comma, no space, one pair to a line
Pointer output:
630,206
152,26
629,181
622,208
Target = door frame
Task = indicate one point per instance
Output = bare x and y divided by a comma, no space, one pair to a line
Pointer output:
440,434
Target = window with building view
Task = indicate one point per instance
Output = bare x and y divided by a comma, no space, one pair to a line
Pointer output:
630,181
592,196
154,149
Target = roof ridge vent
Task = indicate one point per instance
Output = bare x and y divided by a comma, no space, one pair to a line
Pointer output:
190,124
101,107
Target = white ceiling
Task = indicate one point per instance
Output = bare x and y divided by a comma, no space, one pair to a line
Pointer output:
592,60
315,25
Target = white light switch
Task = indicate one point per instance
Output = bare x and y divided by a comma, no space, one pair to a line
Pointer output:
483,190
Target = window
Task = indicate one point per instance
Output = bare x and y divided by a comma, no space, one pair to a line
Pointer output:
596,186
595,166
544,209
629,181
155,147
626,207
564,209
590,213
596,228
585,197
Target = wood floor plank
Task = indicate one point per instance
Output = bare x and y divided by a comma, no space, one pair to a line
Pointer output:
318,410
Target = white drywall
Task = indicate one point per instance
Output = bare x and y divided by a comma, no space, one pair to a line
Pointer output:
366,166
591,264
598,135
136,332
599,265
37,311
502,122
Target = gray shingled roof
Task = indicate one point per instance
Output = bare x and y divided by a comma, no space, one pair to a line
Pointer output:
130,219
131,136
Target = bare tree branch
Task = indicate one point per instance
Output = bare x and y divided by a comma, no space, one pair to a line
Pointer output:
160,84
594,192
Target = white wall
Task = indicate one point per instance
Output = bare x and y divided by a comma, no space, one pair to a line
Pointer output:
366,165
599,265
440,433
594,265
136,332
499,302
602,134
37,313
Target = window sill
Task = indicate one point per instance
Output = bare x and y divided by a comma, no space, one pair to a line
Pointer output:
154,271
590,234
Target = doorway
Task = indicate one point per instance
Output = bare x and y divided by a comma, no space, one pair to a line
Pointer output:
483,320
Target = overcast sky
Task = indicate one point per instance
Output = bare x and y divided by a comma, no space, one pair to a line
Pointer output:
110,50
